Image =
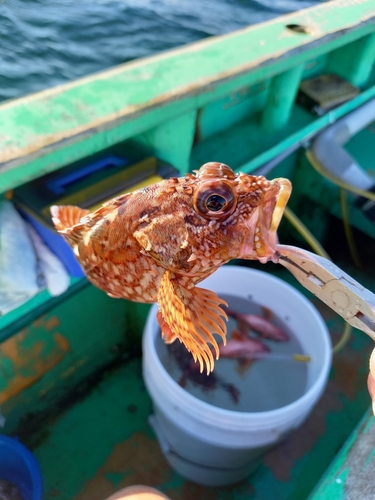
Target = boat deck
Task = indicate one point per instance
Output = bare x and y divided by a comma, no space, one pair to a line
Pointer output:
232,99
102,441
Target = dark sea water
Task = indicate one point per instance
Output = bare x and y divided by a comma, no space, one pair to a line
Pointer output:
47,42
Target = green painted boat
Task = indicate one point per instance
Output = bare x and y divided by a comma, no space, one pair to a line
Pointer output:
71,385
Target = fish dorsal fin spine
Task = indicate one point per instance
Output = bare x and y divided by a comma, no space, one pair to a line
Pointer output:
67,220
67,216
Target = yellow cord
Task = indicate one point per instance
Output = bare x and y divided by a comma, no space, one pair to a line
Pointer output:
349,236
343,339
348,230
344,185
344,209
317,247
306,233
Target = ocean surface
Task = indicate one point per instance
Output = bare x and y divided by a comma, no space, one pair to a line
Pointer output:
48,42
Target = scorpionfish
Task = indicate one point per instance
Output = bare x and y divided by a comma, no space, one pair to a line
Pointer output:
156,244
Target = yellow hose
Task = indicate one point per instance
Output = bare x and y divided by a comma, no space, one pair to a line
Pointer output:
345,336
335,180
306,233
344,186
353,250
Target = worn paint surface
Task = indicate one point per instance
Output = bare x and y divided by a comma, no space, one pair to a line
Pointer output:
23,315
115,447
207,104
351,475
44,362
92,101
126,465
27,356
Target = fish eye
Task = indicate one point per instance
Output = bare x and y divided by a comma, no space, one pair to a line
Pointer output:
214,200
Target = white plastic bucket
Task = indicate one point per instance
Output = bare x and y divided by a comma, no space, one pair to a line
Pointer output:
215,446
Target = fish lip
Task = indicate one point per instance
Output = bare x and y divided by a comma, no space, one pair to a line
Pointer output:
267,250
264,222
285,190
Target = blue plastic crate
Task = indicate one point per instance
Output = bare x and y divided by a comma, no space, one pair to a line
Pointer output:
58,246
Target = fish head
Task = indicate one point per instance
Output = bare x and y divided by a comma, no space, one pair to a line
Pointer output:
242,212
199,222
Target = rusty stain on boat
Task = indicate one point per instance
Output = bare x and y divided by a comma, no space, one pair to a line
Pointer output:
127,465
28,355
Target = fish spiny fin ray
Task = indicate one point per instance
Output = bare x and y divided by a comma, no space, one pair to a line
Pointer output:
66,216
67,220
193,315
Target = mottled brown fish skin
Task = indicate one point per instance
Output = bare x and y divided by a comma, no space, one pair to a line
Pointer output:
157,243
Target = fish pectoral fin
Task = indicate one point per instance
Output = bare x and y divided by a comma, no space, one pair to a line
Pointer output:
192,315
167,335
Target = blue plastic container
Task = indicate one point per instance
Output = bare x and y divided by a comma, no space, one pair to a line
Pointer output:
19,466
58,245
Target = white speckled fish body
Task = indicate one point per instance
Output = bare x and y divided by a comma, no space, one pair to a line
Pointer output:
157,243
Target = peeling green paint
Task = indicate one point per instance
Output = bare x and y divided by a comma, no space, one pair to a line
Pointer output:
42,132
335,490
115,447
335,480
195,104
369,458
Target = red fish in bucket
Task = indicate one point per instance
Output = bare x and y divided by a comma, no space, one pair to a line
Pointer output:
191,372
156,244
259,324
241,347
244,349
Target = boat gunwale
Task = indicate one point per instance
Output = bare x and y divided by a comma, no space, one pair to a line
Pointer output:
29,145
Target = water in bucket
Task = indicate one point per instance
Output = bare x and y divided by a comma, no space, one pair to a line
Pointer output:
271,382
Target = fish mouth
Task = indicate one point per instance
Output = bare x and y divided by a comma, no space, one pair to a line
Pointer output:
265,221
